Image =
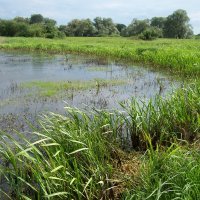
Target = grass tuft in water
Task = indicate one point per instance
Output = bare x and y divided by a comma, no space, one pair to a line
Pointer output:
50,88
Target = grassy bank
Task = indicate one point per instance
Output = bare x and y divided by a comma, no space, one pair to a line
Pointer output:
77,155
170,174
142,151
177,56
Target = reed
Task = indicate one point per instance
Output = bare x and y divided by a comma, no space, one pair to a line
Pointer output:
72,156
170,174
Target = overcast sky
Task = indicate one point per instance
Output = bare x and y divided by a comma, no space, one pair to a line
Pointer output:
121,11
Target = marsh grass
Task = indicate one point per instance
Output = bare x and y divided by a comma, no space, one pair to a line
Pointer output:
72,156
96,68
50,88
70,159
172,173
164,119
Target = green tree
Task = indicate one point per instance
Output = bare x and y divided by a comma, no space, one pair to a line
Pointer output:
8,28
177,25
51,31
63,28
120,27
36,30
49,21
22,19
158,22
151,33
78,27
36,18
105,27
136,27
197,36
22,29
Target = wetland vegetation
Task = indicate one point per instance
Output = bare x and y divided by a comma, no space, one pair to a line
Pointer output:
136,137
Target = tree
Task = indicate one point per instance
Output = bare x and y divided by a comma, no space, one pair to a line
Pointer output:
151,33
51,31
22,29
137,27
21,19
197,36
8,28
78,27
36,30
36,18
158,22
105,27
49,21
88,29
63,29
120,27
177,25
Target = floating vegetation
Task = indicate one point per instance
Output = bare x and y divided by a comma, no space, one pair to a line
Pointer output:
48,89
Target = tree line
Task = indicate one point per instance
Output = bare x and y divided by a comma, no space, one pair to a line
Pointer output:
175,25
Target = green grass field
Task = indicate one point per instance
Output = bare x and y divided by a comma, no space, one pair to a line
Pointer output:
84,154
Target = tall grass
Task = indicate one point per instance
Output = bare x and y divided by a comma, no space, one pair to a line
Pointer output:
170,174
72,156
69,159
176,117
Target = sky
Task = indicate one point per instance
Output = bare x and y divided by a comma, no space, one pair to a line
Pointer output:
121,11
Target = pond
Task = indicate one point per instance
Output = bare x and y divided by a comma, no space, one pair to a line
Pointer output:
31,84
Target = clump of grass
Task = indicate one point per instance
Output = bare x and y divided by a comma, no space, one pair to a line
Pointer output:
69,159
164,119
50,88
172,173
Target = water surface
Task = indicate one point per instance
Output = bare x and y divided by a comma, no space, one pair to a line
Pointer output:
18,103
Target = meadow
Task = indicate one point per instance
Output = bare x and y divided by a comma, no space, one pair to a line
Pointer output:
147,151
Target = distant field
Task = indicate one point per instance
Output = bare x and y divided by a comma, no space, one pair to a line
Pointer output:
179,56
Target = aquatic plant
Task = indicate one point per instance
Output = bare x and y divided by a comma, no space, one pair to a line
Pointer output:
72,156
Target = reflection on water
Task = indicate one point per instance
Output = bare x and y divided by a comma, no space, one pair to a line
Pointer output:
17,68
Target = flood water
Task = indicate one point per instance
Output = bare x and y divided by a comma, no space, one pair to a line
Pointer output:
18,104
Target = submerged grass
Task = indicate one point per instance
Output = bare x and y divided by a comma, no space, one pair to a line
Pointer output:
100,69
50,88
